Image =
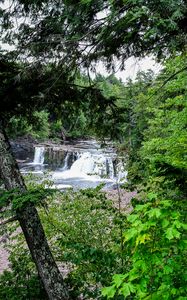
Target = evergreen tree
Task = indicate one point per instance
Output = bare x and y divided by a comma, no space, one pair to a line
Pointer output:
74,33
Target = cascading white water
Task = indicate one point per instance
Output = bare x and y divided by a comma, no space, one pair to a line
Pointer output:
38,156
84,164
66,160
87,164
90,164
78,168
121,173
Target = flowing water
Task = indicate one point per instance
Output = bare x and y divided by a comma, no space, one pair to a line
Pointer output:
84,164
39,156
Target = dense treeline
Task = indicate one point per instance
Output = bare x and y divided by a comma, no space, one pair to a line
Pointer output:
155,231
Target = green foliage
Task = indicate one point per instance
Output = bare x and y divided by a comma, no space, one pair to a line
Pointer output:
160,127
35,195
21,282
18,127
79,126
55,129
84,231
38,127
147,116
156,233
128,28
167,142
156,238
108,112
37,89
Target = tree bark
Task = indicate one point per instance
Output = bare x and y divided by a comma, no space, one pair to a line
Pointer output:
31,226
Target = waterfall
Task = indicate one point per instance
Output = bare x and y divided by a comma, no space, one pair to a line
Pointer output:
84,164
66,161
110,167
121,172
94,166
87,164
77,167
38,156
100,165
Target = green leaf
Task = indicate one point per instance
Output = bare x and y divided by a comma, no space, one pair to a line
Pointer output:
141,239
127,289
177,224
166,203
140,264
109,291
133,275
168,270
172,233
155,212
151,196
130,234
118,279
142,207
165,223
131,218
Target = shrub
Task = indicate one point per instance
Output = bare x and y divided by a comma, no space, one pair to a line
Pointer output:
84,230
22,281
155,236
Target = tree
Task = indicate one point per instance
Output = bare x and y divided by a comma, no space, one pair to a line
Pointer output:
24,89
84,31
30,223
16,98
156,228
165,139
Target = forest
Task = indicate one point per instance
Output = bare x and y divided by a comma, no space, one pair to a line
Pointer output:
85,243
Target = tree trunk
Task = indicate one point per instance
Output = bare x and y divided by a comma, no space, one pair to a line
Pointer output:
63,134
32,228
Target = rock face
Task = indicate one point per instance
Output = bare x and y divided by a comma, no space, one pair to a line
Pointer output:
55,156
23,148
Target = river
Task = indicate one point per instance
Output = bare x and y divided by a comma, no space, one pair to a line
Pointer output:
81,164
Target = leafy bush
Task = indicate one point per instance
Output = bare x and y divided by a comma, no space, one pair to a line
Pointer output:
18,127
39,127
84,230
55,129
22,281
155,236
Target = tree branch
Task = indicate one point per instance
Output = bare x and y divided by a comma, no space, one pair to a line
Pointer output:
9,221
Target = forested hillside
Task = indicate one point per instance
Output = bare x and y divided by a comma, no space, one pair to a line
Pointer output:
80,244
